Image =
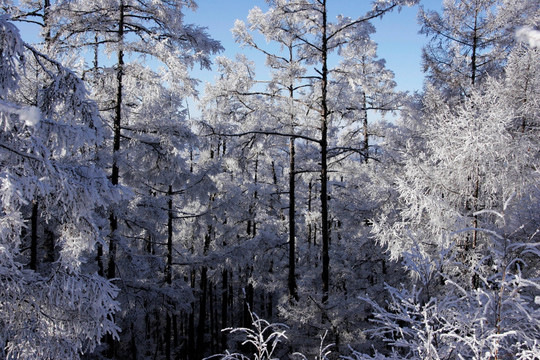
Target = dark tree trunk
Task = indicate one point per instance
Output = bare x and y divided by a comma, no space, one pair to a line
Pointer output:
224,307
115,176
46,19
324,165
49,245
203,298
34,236
214,327
191,324
133,345
176,340
168,270
365,147
293,293
202,313
474,49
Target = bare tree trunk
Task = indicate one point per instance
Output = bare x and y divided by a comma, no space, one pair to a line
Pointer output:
474,49
133,345
176,340
293,293
46,9
270,304
49,245
324,165
111,266
34,236
248,299
203,298
191,324
111,269
202,313
168,271
224,307
365,147
214,331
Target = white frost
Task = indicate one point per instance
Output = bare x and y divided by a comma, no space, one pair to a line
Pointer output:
529,35
30,115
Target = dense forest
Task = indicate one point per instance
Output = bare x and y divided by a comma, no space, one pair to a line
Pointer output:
310,210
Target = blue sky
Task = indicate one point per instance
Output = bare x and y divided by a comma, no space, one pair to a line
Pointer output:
396,33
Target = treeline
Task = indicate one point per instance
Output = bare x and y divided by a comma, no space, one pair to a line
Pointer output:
130,230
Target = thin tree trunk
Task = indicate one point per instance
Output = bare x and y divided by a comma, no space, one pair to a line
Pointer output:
324,166
176,340
203,298
293,293
46,19
168,270
133,345
115,176
99,255
231,298
111,269
365,147
191,324
224,307
248,299
310,230
213,315
270,304
474,49
202,313
49,245
251,229
34,236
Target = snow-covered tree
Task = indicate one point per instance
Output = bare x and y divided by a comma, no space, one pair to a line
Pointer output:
471,40
141,94
248,110
364,77
59,309
466,225
321,38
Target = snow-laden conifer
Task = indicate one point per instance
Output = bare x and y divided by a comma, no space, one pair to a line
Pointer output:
57,308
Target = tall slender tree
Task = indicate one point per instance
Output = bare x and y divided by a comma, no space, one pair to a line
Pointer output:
320,37
149,138
61,309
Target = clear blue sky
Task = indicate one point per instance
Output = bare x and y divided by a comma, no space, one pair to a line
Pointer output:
396,33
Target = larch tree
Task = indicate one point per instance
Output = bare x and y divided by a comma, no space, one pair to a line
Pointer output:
495,315
466,186
322,109
470,40
131,31
59,309
365,77
147,150
277,102
320,38
37,14
245,145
